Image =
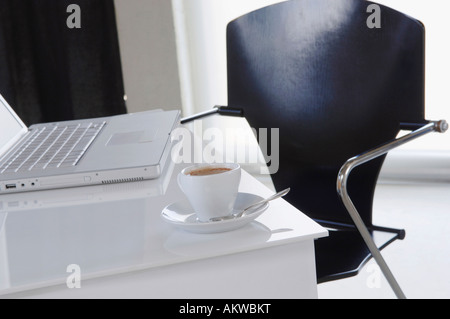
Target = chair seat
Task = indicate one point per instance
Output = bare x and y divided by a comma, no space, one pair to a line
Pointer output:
344,253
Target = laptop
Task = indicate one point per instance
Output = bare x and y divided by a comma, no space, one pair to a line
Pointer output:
122,148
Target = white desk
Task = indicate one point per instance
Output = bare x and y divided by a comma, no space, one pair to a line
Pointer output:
125,250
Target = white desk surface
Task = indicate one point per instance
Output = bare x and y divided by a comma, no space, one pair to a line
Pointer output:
115,229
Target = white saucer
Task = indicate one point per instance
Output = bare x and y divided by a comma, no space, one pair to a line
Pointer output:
182,215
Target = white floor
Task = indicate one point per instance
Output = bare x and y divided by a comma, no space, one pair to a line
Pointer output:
421,262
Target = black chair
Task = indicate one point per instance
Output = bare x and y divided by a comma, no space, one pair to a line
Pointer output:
336,87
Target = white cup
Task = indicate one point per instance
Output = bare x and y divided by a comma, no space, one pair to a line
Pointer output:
211,195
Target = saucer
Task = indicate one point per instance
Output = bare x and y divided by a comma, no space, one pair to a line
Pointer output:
182,215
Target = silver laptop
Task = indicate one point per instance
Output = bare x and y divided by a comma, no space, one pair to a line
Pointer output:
122,148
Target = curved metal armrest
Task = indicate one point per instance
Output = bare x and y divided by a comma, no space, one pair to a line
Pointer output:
221,110
434,126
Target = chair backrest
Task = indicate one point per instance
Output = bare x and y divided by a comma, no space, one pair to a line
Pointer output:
333,84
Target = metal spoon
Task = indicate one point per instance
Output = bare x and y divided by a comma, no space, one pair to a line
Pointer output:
240,214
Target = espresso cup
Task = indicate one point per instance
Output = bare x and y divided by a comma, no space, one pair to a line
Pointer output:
211,188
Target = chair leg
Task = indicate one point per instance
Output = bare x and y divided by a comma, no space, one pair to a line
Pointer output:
344,173
376,254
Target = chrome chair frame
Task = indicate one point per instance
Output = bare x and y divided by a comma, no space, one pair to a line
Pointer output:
344,173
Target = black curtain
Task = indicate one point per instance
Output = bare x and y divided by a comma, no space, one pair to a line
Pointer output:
50,72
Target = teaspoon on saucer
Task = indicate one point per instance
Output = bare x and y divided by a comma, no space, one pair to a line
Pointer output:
241,213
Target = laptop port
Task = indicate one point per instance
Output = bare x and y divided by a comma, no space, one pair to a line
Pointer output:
10,186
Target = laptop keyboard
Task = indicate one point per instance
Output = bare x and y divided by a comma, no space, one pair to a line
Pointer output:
52,146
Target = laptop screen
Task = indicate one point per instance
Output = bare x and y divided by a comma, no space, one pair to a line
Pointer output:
10,125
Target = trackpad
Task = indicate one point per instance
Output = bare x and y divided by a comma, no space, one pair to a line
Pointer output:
131,137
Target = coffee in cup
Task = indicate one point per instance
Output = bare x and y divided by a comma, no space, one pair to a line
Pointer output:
209,171
211,188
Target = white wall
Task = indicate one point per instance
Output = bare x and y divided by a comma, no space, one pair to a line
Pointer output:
434,15
201,36
149,59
